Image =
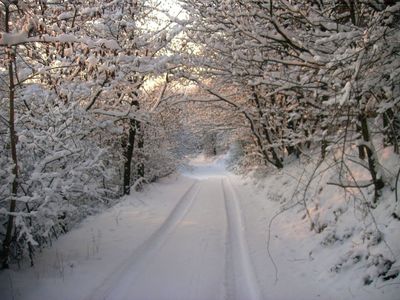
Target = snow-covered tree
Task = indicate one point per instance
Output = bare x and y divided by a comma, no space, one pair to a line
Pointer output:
309,72
73,77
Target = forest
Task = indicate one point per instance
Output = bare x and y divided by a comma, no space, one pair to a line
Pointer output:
100,98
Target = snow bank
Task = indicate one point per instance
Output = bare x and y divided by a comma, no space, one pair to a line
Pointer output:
352,250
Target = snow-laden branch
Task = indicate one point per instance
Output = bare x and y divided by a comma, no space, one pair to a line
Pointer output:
22,37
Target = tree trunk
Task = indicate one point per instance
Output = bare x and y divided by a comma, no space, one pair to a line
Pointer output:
361,148
391,129
140,167
128,154
13,146
372,157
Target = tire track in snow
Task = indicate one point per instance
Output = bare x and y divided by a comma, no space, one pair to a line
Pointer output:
130,268
240,279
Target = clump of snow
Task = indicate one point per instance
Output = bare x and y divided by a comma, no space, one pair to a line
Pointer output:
346,93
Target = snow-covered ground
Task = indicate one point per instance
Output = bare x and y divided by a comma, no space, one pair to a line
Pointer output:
205,235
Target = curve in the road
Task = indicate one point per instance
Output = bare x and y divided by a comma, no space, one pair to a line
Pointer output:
241,281
142,253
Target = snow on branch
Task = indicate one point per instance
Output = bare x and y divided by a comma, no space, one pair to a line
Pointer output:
22,37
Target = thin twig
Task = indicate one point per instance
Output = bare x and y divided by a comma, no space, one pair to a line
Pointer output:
396,186
270,225
11,286
349,185
313,225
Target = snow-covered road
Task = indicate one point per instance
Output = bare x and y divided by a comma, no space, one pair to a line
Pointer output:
198,252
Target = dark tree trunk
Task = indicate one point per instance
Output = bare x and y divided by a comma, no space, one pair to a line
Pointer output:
13,146
128,154
371,155
133,134
140,167
324,146
361,148
391,125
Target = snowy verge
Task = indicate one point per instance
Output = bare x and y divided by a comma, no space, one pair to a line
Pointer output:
351,252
